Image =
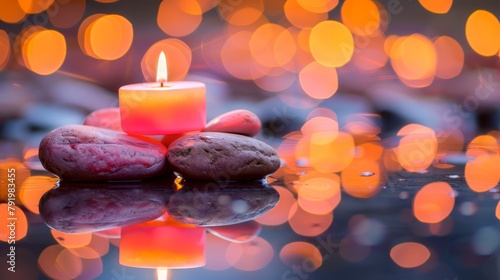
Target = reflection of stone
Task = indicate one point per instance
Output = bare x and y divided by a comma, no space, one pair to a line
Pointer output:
238,233
210,204
77,207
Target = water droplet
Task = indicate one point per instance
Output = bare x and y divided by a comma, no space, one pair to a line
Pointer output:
454,176
423,171
454,193
367,174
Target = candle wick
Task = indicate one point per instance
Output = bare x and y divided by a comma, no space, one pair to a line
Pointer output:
161,83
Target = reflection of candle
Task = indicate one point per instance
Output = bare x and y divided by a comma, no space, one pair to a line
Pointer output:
159,244
163,107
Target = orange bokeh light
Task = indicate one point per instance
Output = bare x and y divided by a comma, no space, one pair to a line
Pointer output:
67,15
238,60
207,5
301,17
250,256
481,145
410,254
71,240
331,43
417,149
109,37
320,123
482,31
44,51
362,17
178,56
47,263
32,190
4,49
272,45
318,6
318,81
414,58
331,151
481,173
436,6
362,178
279,214
300,253
434,202
9,214
21,174
320,193
35,6
179,18
450,57
69,264
11,11
308,224
241,13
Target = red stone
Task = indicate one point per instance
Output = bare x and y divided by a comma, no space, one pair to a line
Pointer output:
241,122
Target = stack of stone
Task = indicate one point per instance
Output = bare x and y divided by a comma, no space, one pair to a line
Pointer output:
98,150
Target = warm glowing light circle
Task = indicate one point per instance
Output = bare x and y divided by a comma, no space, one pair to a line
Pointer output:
331,43
11,11
410,254
110,36
450,57
4,49
44,51
362,17
179,18
319,81
482,31
436,6
35,6
21,223
434,202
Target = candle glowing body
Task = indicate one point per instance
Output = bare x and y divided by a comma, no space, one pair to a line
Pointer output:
162,245
176,107
163,107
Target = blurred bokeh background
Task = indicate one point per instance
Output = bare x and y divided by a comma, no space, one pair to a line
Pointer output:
346,91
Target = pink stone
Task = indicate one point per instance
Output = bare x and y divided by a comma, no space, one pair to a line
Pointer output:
238,233
87,153
238,122
105,118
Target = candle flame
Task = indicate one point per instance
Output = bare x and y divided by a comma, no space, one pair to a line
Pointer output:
162,273
161,70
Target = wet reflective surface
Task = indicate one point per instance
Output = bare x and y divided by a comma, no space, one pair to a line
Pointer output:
389,140
315,218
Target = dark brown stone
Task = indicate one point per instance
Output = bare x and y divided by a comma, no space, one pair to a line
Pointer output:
222,157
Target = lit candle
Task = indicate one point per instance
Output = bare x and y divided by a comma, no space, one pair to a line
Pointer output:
163,107
162,244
